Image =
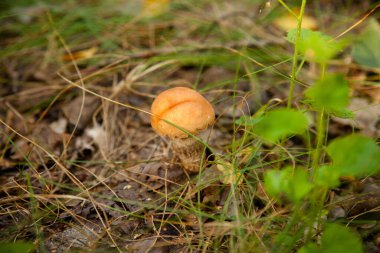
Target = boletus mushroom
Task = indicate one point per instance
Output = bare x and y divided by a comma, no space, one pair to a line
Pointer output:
188,110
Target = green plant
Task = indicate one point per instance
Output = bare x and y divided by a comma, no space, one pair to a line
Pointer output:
305,189
17,247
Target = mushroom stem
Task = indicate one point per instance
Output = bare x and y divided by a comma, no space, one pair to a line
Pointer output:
189,151
188,110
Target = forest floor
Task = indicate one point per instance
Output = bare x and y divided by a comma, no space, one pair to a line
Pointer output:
81,169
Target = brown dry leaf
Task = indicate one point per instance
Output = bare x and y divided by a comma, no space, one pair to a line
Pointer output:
230,175
45,137
59,126
245,155
145,245
76,237
20,123
366,116
152,174
212,195
287,22
31,96
359,204
373,92
135,195
4,163
71,110
27,14
83,54
83,144
215,74
98,135
153,8
20,150
48,138
359,79
217,228
125,226
156,174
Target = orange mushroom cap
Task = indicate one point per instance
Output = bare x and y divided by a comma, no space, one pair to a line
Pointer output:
183,107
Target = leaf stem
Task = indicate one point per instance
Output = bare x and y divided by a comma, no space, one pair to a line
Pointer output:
320,140
295,55
321,131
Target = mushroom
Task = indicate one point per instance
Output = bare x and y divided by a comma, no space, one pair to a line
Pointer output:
178,109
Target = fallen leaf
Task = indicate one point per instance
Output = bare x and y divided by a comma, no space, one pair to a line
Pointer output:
27,14
45,137
216,228
83,54
366,50
71,110
230,174
98,135
75,237
153,8
287,22
145,245
4,163
31,96
366,116
372,91
136,196
59,126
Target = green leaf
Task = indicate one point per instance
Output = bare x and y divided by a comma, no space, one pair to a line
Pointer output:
327,176
280,123
305,35
354,155
343,113
17,247
294,186
340,239
298,185
275,181
246,120
330,94
316,46
335,239
309,248
366,50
